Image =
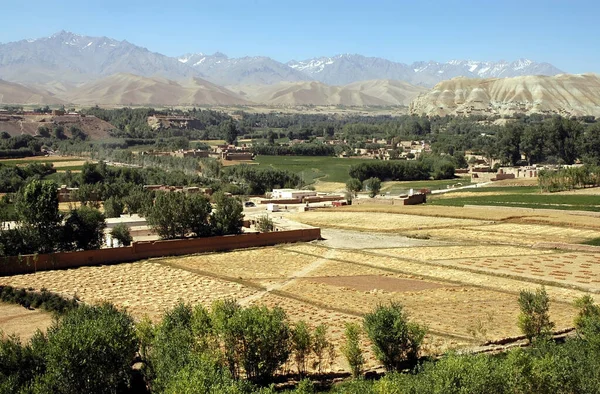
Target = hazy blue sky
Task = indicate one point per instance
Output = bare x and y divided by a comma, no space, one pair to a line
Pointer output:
564,33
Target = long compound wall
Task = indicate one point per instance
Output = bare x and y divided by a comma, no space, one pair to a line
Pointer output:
142,250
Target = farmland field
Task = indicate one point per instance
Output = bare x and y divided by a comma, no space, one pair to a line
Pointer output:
460,274
327,169
527,199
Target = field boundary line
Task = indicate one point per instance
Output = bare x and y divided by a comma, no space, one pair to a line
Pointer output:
450,281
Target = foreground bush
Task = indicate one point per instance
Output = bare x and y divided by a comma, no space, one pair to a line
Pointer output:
89,350
395,339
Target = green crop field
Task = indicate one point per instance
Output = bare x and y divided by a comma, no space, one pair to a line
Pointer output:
48,159
311,168
524,200
503,190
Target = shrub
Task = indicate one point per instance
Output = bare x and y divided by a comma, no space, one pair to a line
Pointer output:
264,224
301,346
113,207
320,345
121,233
534,320
90,350
352,350
373,185
395,339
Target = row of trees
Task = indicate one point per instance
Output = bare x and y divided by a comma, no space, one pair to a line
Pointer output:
12,178
438,168
569,178
294,150
42,228
179,215
259,181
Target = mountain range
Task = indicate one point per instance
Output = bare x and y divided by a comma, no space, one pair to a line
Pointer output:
65,59
71,68
564,94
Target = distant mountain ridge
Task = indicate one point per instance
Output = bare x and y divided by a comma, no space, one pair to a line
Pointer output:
73,59
344,69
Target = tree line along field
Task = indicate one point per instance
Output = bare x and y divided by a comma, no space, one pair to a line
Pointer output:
463,287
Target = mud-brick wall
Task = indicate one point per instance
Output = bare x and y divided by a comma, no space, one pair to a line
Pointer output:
142,250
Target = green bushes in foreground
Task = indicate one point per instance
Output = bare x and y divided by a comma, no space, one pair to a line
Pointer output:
231,349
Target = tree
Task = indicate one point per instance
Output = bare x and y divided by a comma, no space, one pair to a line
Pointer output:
354,185
138,200
532,144
255,338
265,341
264,224
59,133
168,216
373,185
113,207
37,211
43,131
230,132
271,137
508,144
197,210
588,311
320,345
534,320
351,349
228,216
84,229
121,233
301,346
395,339
77,133
90,350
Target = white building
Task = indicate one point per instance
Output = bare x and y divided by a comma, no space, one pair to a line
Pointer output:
280,194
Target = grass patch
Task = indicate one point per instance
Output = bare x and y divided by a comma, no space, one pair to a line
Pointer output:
504,189
525,200
311,168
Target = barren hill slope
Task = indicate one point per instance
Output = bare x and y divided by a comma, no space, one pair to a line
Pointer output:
565,94
367,93
13,93
28,124
125,89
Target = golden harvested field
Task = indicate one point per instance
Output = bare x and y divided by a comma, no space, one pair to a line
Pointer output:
330,187
143,287
514,215
60,164
463,283
375,221
460,251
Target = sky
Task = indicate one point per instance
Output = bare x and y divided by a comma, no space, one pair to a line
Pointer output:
563,33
